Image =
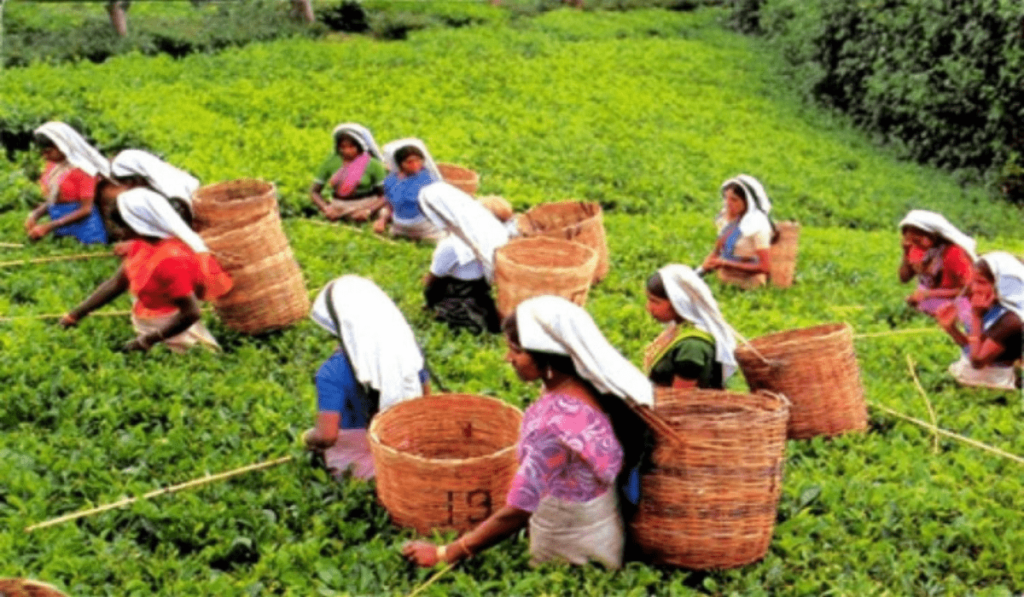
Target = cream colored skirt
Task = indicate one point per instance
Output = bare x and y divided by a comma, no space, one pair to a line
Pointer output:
197,334
577,532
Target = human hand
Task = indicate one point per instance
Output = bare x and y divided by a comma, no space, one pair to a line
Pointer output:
30,223
38,231
380,226
710,263
136,344
421,553
121,249
68,321
331,213
916,297
307,440
946,315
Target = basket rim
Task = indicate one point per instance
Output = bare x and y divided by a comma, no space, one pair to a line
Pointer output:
824,331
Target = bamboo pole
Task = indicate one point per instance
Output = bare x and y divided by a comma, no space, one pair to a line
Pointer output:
379,237
431,580
59,315
55,258
897,332
927,402
11,245
172,489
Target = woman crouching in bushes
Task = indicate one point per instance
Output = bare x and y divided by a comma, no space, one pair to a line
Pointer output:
742,253
377,365
167,268
696,349
577,445
941,257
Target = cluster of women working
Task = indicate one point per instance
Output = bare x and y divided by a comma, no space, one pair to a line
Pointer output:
581,444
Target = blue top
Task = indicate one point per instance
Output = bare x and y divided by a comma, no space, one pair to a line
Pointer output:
338,390
89,229
403,194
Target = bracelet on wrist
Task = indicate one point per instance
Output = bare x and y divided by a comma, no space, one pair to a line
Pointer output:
442,553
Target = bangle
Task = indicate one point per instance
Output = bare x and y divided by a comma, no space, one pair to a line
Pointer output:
442,553
71,318
462,544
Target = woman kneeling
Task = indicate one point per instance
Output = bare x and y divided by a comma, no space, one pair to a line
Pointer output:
742,253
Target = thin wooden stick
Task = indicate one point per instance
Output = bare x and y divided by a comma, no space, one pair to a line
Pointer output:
11,245
927,402
59,315
740,337
950,434
55,258
157,492
897,332
352,228
431,580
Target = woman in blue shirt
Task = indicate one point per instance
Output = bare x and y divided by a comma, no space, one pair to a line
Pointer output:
412,168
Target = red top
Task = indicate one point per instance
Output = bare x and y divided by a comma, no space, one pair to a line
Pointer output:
158,273
955,270
76,185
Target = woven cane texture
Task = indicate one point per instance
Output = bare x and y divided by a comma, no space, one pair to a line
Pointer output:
233,203
571,220
709,500
529,267
816,368
783,254
445,461
464,179
23,587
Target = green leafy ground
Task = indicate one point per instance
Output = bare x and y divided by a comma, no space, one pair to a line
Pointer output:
646,112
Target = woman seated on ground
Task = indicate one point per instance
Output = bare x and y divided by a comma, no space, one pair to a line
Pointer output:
941,257
412,168
576,444
377,365
353,174
994,337
69,186
742,253
696,349
458,286
166,267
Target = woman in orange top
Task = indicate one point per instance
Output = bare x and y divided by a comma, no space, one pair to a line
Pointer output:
166,267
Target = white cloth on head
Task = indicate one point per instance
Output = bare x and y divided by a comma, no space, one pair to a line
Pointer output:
936,223
148,213
377,340
392,147
453,210
556,325
169,181
758,205
692,300
1008,272
454,258
362,135
75,148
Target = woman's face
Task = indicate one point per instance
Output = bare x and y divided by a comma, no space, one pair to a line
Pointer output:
918,238
660,308
347,149
735,206
52,154
983,291
411,165
521,361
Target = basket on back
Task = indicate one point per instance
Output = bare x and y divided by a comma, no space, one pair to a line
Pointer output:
464,179
24,587
709,499
816,368
239,222
529,267
444,461
783,254
571,220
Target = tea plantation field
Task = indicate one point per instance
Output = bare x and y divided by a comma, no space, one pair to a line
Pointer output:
646,112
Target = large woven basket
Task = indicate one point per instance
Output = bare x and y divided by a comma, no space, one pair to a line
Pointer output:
23,587
444,461
529,267
268,291
465,179
783,254
571,220
816,368
710,500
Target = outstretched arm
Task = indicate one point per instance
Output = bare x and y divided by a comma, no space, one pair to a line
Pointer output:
104,293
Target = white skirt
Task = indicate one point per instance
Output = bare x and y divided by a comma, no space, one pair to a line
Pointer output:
577,532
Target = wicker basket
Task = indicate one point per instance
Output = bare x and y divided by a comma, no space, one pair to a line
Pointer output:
444,461
465,179
528,267
23,587
816,368
710,500
783,254
571,220
233,204
268,292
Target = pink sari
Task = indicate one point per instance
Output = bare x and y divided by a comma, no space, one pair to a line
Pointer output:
346,179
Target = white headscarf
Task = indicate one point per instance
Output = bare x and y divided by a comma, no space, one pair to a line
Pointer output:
75,148
162,177
1008,272
362,136
377,340
556,325
692,300
148,213
428,161
451,209
758,205
937,224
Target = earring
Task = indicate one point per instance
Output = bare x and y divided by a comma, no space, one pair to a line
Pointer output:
548,373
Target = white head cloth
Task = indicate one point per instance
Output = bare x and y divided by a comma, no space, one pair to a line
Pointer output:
692,300
162,177
758,205
75,148
362,135
428,161
451,209
148,213
378,341
937,224
1008,272
557,325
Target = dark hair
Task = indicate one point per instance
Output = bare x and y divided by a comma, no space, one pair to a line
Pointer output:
935,238
982,267
739,190
559,362
42,141
656,286
343,136
404,152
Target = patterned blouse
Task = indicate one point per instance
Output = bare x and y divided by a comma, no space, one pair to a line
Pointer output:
567,449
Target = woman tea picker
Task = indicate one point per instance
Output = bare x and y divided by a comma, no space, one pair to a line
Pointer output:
992,341
742,253
377,365
941,257
411,168
353,176
137,168
69,185
167,268
458,286
576,441
696,348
